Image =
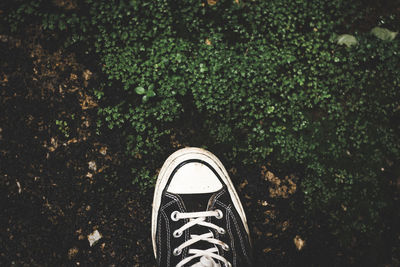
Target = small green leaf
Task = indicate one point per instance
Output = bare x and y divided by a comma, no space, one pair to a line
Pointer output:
140,90
203,68
145,98
347,40
150,93
61,25
29,10
384,34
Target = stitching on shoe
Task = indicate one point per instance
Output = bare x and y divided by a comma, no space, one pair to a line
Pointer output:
209,219
177,201
182,209
228,213
167,205
240,236
216,198
168,238
170,195
159,240
161,210
237,230
174,199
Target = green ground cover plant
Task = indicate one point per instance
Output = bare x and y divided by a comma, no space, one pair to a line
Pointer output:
263,81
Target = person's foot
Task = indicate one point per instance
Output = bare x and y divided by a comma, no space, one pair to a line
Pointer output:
197,217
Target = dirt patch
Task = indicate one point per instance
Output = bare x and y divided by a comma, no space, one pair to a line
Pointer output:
54,190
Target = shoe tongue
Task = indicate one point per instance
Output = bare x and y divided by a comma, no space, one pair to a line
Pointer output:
196,202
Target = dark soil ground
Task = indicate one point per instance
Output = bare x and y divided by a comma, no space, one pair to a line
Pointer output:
56,186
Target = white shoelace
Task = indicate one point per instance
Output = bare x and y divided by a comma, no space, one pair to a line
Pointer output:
206,256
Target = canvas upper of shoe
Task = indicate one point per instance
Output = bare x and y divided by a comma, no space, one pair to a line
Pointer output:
201,227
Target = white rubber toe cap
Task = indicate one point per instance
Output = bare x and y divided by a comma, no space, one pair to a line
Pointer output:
194,178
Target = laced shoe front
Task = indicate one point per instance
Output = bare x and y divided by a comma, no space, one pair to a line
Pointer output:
197,217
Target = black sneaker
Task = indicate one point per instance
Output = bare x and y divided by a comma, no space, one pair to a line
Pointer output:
197,217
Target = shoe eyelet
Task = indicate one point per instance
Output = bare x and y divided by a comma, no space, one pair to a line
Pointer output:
174,216
225,247
177,233
219,215
177,252
221,231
